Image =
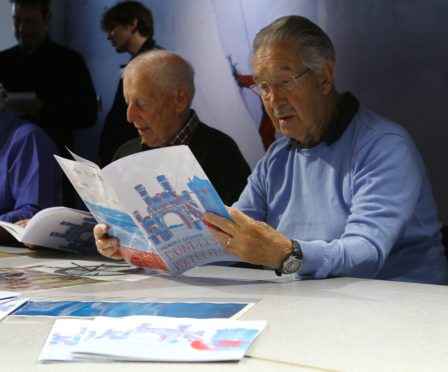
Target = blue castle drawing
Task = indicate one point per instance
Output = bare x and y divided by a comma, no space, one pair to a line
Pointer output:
78,236
169,201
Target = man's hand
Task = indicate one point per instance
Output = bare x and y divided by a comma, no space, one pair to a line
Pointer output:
22,223
107,246
252,241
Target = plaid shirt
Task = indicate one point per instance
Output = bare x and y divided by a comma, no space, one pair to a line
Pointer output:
185,135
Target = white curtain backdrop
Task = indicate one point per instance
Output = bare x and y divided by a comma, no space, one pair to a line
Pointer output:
391,54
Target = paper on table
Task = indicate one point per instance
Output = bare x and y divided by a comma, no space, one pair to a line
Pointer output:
64,337
9,301
121,308
98,270
8,294
150,338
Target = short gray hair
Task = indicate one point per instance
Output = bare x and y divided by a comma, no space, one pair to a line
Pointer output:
312,43
166,69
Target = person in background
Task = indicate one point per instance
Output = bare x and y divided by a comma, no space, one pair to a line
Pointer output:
129,27
61,96
344,192
158,89
30,177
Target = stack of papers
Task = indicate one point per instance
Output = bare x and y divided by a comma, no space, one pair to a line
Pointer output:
149,338
9,301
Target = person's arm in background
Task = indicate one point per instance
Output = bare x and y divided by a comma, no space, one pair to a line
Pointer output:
34,177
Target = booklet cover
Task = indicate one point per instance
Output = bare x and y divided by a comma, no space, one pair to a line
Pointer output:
60,228
150,338
153,202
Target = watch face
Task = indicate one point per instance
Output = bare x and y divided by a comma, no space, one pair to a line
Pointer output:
292,265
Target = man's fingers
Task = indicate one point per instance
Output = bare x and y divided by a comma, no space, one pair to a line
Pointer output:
220,222
220,236
107,246
239,218
99,231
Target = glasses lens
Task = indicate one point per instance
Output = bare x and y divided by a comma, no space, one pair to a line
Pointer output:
255,88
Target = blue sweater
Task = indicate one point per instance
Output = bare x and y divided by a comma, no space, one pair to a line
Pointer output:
30,177
361,207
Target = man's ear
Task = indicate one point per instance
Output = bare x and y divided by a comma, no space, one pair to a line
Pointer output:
181,99
327,77
134,25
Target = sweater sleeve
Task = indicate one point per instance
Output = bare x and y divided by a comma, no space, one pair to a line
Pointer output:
387,181
34,176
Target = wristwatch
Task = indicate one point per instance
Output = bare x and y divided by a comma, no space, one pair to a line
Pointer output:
293,262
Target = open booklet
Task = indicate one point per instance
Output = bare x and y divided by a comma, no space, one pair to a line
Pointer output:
60,228
153,202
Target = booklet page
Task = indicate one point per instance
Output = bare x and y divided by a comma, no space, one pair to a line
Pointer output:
166,192
153,202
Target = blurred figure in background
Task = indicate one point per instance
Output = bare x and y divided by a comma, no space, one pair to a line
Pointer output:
49,84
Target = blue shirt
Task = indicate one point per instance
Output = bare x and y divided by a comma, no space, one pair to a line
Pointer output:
361,206
30,178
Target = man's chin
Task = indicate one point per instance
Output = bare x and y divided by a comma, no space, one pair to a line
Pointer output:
151,144
119,49
28,45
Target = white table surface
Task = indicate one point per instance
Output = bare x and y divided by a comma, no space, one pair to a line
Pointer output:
342,324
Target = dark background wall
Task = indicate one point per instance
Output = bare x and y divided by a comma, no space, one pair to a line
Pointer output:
392,54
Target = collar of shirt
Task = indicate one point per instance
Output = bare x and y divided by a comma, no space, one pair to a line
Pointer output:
149,44
348,106
185,135
41,48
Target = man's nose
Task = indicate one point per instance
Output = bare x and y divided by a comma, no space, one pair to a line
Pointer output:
277,96
131,112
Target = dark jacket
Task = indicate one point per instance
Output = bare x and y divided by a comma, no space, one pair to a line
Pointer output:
61,80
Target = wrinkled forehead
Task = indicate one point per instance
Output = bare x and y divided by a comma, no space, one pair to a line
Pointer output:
274,59
138,84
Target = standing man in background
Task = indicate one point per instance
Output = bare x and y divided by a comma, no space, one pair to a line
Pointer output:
61,96
129,27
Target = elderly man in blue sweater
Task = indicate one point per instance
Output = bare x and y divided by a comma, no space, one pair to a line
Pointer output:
344,192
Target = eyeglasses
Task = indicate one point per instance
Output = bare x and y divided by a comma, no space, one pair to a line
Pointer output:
264,88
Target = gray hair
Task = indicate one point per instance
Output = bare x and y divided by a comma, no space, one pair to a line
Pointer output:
166,69
312,43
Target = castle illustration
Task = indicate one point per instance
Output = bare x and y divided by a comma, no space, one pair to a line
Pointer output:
78,236
169,201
